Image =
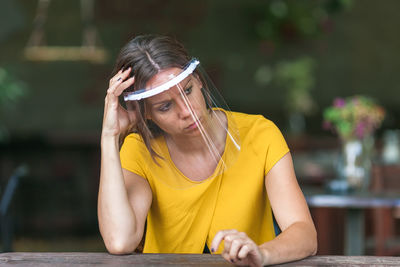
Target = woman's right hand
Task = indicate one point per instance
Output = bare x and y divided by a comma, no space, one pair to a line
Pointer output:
116,119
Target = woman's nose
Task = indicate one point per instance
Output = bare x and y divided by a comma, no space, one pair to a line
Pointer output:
184,109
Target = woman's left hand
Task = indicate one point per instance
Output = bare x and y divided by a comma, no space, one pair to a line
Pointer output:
239,248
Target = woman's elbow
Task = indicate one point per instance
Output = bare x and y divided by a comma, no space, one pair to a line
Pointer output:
313,242
314,248
120,245
310,241
119,248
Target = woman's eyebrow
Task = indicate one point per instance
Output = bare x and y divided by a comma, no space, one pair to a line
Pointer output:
189,80
161,102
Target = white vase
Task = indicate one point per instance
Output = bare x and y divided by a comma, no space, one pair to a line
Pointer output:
356,162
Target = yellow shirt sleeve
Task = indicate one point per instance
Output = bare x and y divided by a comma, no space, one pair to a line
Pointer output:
277,146
266,140
133,155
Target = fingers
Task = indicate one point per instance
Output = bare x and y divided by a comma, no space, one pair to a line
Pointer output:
111,99
243,252
113,86
117,77
242,249
116,119
219,237
121,75
233,244
232,252
119,83
126,84
238,247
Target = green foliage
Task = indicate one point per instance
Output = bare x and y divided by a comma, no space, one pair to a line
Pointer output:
11,90
297,78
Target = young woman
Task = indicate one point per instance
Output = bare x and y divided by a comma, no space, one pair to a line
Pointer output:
198,176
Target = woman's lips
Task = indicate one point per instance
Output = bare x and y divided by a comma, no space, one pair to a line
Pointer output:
194,125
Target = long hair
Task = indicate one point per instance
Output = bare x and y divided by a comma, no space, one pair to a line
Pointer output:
147,55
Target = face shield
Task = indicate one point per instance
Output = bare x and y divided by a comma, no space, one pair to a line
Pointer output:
189,110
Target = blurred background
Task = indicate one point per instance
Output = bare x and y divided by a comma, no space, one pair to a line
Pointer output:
285,59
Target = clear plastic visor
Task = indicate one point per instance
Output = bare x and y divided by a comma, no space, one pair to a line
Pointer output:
199,139
165,84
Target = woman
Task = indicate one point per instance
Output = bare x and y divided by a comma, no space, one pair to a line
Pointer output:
199,177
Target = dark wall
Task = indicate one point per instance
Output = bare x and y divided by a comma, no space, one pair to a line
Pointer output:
357,54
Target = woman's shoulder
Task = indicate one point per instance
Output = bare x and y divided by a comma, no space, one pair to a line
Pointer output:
133,138
252,121
133,141
257,129
260,134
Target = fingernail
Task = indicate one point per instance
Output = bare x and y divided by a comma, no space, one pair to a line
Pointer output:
119,79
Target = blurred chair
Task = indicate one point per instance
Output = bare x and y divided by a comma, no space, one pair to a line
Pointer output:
6,225
385,179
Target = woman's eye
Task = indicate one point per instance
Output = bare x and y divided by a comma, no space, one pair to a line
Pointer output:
165,107
188,90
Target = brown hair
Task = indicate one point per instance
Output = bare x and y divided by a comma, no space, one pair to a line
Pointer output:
147,55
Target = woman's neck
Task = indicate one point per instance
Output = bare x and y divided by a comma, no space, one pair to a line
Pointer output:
192,145
212,139
196,157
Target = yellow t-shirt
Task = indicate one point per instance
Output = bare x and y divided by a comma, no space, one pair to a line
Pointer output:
185,214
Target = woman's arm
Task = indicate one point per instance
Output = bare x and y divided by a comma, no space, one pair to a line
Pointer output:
124,197
123,203
298,238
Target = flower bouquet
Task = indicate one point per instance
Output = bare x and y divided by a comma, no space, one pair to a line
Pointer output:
354,119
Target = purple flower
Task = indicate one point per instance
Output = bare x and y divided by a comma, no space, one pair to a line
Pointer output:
339,102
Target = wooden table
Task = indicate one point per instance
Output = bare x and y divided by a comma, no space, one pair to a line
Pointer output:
355,204
90,259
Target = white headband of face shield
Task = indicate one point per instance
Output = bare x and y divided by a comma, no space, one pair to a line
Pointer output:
143,93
